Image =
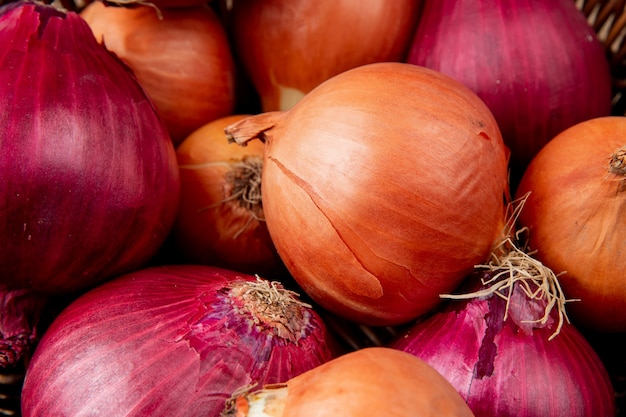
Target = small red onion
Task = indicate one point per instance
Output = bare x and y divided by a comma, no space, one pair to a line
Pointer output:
538,65
171,341
508,352
89,180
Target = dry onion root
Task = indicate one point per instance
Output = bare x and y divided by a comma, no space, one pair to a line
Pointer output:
512,265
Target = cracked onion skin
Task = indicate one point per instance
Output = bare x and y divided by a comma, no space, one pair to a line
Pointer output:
171,341
382,188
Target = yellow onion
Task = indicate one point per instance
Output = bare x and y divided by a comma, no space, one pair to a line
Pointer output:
289,47
382,188
220,217
181,56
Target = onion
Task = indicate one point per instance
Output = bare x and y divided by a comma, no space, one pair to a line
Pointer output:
181,56
508,349
89,185
519,56
381,188
171,341
374,381
220,217
576,211
288,48
157,3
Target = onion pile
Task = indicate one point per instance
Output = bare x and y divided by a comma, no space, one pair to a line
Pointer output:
538,65
373,381
171,341
382,188
181,56
89,184
575,212
289,48
220,217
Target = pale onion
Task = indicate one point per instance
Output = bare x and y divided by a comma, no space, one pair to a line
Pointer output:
173,341
181,56
575,213
538,65
382,188
287,48
374,381
220,217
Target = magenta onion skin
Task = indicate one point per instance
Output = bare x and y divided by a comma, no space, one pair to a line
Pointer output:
508,368
537,65
163,341
89,185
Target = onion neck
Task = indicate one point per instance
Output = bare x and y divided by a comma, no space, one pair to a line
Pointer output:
244,180
253,127
617,164
20,311
267,402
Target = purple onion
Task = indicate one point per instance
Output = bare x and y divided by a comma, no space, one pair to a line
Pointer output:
171,341
538,65
89,181
507,359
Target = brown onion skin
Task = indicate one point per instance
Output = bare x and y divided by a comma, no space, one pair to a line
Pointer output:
162,341
575,212
181,56
537,65
211,227
378,200
299,44
509,368
375,381
89,175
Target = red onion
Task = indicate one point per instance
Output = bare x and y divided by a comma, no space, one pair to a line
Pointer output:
89,177
538,65
171,341
508,352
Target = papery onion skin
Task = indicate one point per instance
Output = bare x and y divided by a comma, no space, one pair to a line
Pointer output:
89,175
220,217
181,56
382,188
538,65
575,212
509,368
166,341
375,381
288,48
